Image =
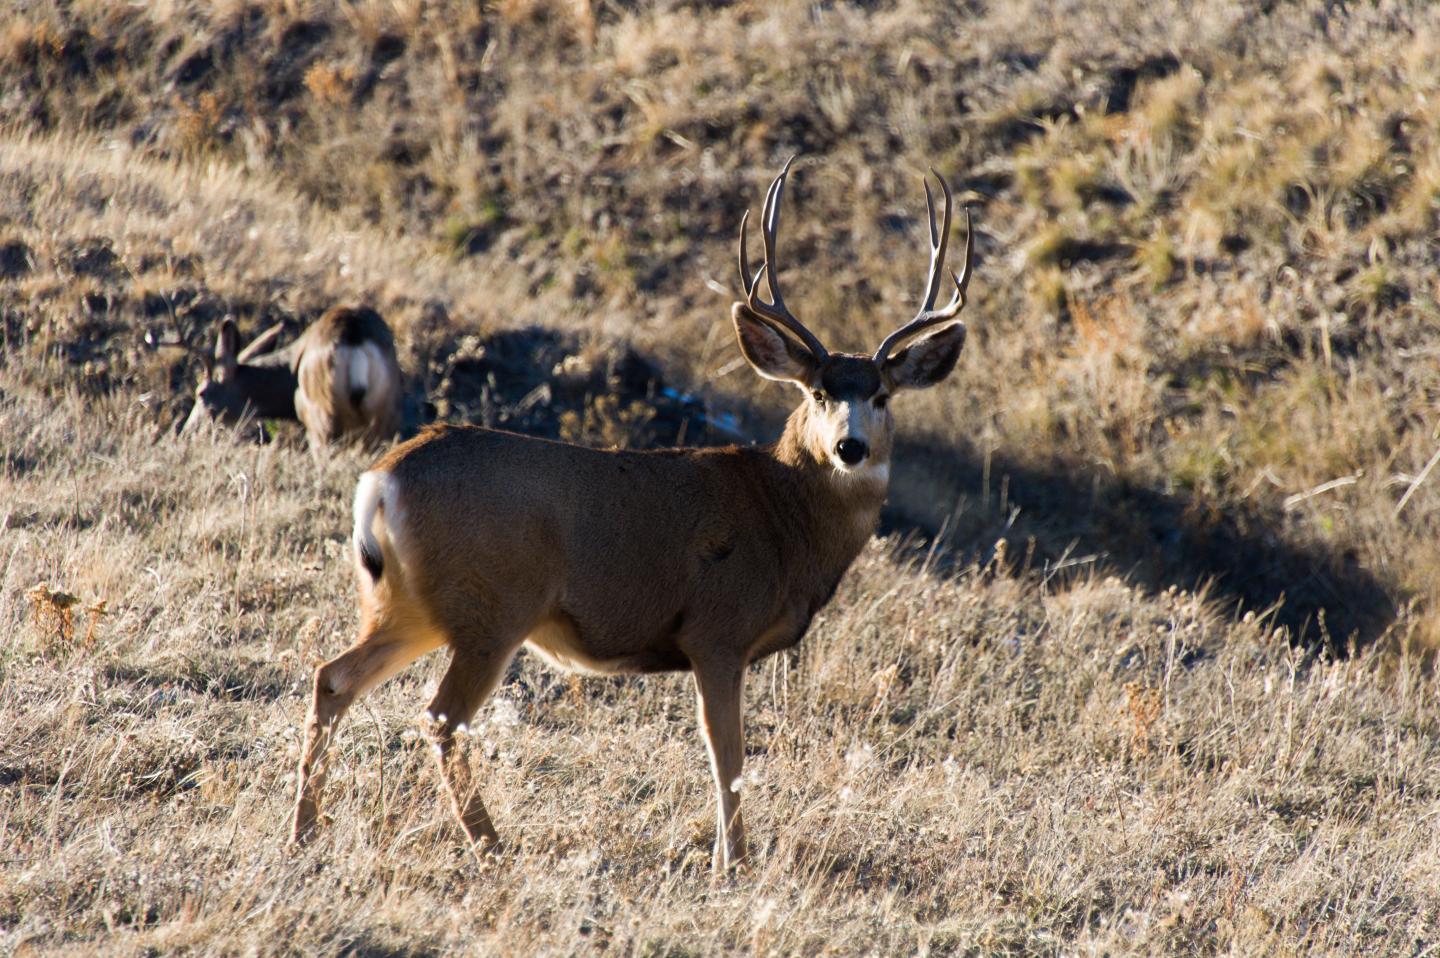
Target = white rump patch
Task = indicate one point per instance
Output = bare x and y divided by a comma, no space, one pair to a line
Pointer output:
366,369
379,492
369,498
359,367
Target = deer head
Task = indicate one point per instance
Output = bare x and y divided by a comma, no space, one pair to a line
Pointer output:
252,381
845,418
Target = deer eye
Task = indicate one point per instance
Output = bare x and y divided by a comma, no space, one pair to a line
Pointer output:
818,396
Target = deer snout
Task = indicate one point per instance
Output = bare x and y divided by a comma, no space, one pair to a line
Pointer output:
200,413
851,451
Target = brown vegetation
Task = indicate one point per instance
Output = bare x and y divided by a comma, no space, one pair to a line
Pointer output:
1157,681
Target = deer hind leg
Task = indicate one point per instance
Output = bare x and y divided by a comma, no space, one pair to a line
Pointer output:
720,690
468,682
338,683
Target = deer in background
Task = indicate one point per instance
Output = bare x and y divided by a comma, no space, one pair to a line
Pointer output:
340,378
699,560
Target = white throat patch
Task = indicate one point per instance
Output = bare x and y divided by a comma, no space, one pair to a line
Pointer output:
869,471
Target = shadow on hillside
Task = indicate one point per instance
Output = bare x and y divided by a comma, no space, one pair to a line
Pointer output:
1067,520
1059,521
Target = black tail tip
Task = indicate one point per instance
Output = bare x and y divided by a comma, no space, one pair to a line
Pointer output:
373,562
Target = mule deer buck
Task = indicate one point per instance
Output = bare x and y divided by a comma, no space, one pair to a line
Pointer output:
340,378
700,560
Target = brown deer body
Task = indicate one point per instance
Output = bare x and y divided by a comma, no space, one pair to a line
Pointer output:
607,562
341,379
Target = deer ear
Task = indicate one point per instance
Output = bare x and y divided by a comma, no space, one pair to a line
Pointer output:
927,361
768,352
227,345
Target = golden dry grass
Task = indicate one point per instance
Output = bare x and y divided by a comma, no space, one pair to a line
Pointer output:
1162,685
963,762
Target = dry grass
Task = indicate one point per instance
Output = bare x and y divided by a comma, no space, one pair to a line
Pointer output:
1163,685
973,761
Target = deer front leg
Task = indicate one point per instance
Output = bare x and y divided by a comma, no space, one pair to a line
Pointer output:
720,690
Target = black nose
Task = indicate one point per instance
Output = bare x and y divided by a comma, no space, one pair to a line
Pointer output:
851,451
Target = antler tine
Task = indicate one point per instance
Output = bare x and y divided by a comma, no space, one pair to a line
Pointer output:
746,283
774,311
938,243
769,225
929,317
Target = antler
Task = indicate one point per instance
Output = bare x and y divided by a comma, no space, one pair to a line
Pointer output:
928,315
263,343
773,311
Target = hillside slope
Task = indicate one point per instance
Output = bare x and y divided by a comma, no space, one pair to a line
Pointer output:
1141,665
1204,317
